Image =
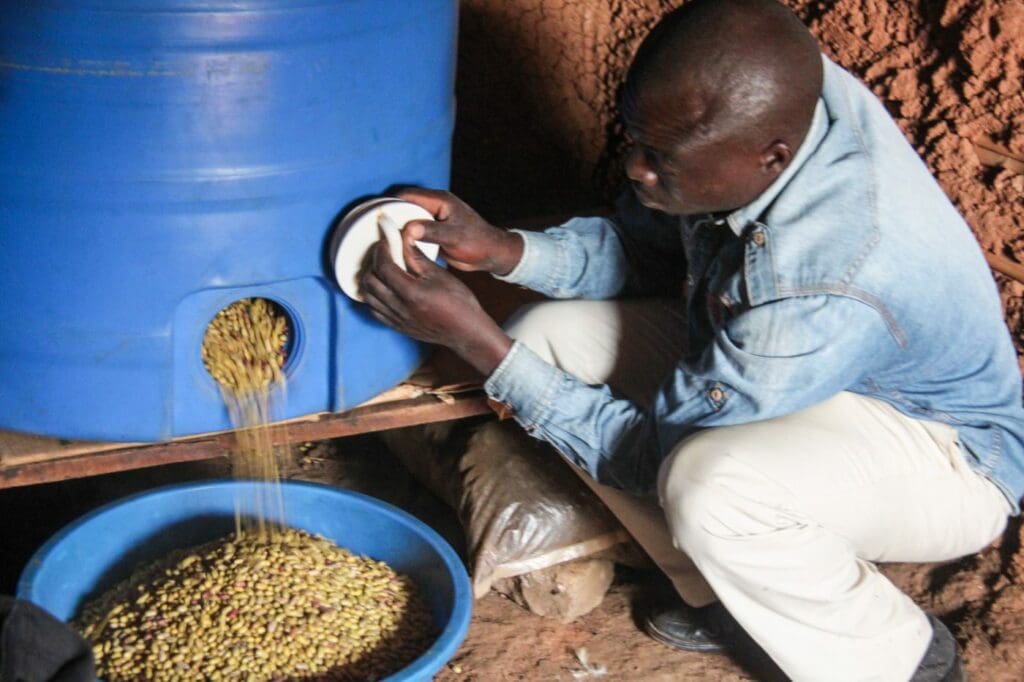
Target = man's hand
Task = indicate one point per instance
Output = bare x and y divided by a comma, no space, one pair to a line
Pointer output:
467,241
428,303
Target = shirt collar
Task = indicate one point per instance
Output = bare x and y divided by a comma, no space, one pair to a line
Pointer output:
743,216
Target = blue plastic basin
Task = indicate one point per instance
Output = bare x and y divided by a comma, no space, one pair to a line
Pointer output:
93,553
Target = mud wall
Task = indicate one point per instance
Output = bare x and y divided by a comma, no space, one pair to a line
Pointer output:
537,79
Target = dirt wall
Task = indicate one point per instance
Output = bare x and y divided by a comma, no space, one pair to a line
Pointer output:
536,131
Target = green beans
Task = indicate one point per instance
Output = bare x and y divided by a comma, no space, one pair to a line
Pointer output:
244,350
290,605
245,345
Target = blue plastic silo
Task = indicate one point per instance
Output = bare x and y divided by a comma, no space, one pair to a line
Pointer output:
161,159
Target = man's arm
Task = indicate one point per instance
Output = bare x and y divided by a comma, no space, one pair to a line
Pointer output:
768,361
637,252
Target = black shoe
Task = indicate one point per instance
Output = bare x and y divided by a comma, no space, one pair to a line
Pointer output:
681,627
941,662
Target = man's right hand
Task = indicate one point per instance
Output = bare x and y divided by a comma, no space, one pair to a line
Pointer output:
467,241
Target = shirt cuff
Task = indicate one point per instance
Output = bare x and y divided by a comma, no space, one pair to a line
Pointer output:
524,382
540,261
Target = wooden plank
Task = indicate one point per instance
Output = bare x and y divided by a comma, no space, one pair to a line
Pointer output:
378,416
22,448
384,416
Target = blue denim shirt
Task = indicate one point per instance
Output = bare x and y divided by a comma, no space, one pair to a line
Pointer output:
851,272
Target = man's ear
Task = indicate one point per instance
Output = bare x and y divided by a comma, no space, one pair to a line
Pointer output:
775,157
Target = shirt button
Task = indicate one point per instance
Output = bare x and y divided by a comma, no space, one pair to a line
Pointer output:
716,394
758,238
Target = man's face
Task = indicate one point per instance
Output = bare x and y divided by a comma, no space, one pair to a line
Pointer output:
683,177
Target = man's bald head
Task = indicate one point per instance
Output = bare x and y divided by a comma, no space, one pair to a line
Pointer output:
739,68
718,99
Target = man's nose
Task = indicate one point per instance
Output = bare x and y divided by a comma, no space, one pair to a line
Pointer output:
638,170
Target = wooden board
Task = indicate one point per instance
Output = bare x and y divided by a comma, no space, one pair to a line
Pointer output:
27,460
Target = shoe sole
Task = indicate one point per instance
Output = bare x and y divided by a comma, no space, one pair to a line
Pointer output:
664,638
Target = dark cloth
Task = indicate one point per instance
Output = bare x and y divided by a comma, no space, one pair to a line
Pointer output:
36,647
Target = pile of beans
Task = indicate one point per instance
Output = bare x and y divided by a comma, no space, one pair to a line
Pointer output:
245,345
291,606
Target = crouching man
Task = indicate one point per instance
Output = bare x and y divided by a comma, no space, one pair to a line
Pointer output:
783,360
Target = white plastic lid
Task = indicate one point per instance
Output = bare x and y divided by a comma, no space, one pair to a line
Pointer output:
363,227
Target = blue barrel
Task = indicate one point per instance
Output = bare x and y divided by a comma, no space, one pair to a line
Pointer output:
164,158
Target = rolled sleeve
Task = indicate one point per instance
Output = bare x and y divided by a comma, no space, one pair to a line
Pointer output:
541,254
582,258
523,382
602,434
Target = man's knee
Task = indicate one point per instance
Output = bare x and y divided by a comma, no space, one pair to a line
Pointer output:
537,325
712,498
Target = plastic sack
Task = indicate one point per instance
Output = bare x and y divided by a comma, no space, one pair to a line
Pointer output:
521,506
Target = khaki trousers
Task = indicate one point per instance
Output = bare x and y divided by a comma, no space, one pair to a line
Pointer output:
782,519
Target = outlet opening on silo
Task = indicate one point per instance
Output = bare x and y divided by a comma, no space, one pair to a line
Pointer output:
248,344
